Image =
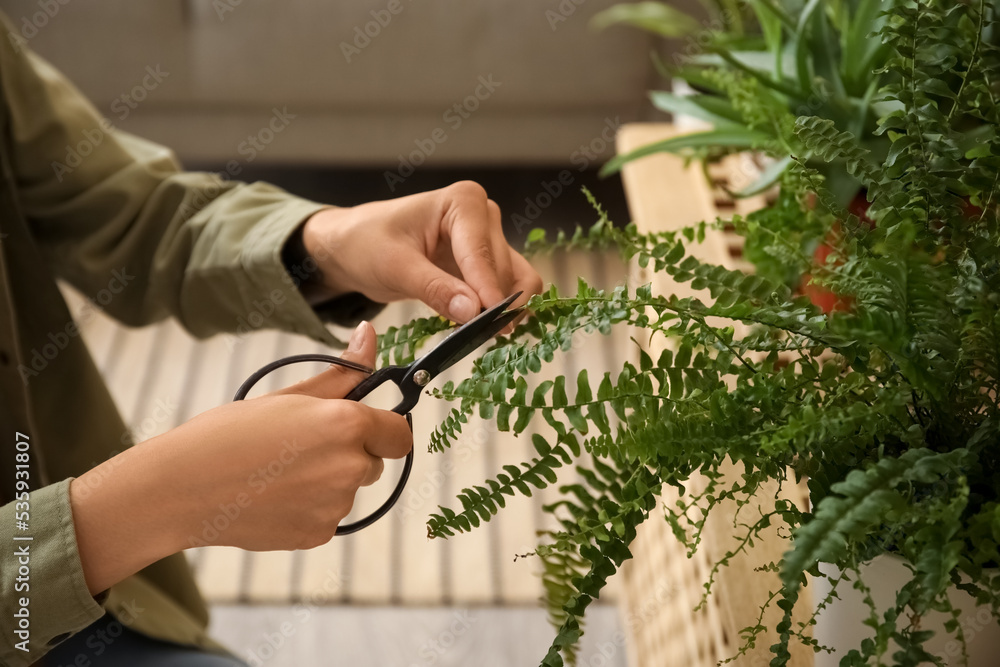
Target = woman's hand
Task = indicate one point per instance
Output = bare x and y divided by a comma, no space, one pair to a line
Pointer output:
275,472
445,247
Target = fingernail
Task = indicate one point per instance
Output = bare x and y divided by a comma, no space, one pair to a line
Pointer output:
358,337
461,308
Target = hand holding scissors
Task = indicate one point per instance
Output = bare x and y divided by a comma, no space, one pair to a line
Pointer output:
410,380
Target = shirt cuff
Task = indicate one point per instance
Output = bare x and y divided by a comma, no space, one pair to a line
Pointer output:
46,573
261,261
346,310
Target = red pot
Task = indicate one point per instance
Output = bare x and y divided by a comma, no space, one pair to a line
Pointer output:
824,299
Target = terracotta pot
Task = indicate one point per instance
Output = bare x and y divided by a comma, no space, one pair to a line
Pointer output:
826,300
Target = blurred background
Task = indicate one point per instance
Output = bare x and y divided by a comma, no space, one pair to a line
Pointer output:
346,103
375,99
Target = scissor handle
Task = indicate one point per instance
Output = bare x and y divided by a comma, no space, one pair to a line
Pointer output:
394,374
363,388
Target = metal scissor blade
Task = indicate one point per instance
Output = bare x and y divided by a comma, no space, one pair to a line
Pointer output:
468,337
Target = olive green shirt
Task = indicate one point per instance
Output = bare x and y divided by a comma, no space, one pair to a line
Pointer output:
114,216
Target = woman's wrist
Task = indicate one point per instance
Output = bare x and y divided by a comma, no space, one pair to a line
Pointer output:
126,517
320,235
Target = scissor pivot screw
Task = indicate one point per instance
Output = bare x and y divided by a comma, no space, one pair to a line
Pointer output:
421,377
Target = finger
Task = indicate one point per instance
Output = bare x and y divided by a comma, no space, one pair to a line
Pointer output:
501,249
526,280
472,247
386,434
338,381
374,472
440,290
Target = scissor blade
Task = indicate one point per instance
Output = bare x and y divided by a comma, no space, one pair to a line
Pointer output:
469,336
480,338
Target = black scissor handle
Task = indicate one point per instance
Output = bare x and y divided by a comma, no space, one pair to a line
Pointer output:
363,389
394,374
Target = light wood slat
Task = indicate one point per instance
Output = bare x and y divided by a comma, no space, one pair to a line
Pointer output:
99,335
94,326
568,268
519,522
161,410
125,366
446,496
519,578
219,573
370,557
370,576
610,353
422,576
137,407
471,557
545,521
489,462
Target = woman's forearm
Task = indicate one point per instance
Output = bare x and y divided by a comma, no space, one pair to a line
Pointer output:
126,516
151,500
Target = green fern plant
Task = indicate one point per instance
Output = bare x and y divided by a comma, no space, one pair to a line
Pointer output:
889,407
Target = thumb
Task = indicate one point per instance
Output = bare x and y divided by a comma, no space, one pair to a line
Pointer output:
440,290
338,381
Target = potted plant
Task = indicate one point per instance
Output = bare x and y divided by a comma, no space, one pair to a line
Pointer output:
791,59
889,407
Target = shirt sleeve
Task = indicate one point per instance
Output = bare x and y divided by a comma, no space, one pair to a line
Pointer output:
45,597
117,218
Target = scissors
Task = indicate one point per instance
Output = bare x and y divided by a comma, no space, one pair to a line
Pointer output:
410,379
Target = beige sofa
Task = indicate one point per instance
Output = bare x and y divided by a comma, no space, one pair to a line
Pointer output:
363,82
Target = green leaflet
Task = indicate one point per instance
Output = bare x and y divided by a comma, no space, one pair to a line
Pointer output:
398,345
653,16
732,138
